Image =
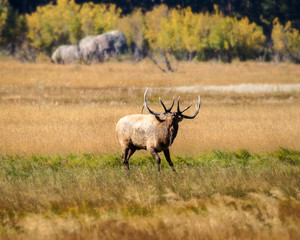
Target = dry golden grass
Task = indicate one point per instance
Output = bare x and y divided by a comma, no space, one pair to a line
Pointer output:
91,99
49,129
144,74
222,218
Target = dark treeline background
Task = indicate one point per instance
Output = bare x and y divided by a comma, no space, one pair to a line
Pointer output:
263,12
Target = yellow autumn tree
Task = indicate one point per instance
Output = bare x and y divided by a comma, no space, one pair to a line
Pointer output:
66,22
132,26
52,25
222,38
170,38
195,31
153,21
293,42
286,41
98,18
190,35
158,33
230,37
279,39
249,38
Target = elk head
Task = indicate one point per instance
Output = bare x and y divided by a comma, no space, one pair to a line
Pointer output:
169,116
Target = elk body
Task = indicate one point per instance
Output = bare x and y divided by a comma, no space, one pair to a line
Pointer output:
155,132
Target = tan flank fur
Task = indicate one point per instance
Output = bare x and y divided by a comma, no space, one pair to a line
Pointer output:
154,133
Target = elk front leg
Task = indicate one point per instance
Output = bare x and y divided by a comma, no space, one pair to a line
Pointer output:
155,155
167,155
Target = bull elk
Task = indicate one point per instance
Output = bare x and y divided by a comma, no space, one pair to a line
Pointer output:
155,132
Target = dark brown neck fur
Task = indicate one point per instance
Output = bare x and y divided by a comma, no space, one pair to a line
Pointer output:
172,125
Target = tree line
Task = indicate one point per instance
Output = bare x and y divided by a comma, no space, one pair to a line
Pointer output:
259,11
169,32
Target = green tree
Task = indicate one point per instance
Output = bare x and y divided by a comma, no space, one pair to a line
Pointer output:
222,38
231,37
13,28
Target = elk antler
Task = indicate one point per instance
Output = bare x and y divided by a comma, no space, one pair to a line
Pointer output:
169,109
146,106
188,117
157,113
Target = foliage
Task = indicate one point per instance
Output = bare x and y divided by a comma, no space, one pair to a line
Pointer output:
153,29
250,39
262,12
133,27
195,31
286,41
222,39
67,22
236,38
98,18
170,39
176,32
158,33
12,27
4,8
52,25
180,31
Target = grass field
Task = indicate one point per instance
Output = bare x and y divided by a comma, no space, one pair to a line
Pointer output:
117,74
48,129
237,162
221,195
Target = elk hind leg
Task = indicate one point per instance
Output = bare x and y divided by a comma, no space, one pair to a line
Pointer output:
124,158
129,154
126,154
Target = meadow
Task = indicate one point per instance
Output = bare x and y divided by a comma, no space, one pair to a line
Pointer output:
60,170
232,195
